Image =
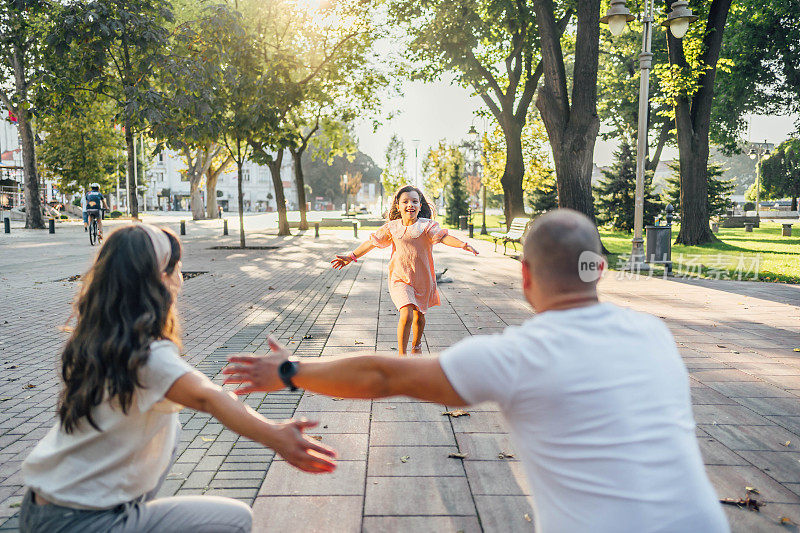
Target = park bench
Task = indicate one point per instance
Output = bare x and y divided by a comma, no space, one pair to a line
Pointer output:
513,235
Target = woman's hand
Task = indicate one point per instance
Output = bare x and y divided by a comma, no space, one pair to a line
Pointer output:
299,450
342,260
468,247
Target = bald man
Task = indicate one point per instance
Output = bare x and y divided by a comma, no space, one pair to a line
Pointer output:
596,396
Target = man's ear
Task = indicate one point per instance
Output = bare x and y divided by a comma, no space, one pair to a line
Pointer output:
526,275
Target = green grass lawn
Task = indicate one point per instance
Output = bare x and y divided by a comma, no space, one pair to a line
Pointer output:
763,255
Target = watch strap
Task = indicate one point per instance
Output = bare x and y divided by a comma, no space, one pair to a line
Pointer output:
286,371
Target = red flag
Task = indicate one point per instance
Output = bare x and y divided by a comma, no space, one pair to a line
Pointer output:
11,117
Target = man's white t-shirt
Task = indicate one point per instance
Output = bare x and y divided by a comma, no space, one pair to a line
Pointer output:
90,469
83,202
598,405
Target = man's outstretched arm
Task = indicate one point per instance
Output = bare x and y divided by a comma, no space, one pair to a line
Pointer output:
366,376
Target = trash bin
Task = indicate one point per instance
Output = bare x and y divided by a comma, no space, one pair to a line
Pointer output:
462,222
659,249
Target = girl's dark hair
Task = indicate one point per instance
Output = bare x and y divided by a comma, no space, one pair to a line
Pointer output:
424,208
122,307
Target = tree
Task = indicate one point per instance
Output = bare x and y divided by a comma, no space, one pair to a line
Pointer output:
394,173
325,175
437,168
81,146
719,190
457,205
689,83
780,172
572,122
350,184
616,192
538,166
543,196
218,165
618,89
21,33
114,47
491,46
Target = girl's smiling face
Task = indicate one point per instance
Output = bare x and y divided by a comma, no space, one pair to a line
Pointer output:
408,204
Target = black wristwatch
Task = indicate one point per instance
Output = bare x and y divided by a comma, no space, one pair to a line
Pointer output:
286,371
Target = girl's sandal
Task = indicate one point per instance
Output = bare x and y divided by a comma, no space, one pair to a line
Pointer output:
416,349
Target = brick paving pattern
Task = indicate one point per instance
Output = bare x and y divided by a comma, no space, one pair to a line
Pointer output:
737,340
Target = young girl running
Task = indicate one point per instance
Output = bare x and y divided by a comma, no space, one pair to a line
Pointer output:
100,466
412,281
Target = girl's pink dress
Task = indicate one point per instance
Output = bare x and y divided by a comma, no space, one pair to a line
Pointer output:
411,276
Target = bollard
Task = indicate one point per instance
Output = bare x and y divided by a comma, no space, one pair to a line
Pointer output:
316,230
51,225
183,227
355,230
7,225
471,227
224,227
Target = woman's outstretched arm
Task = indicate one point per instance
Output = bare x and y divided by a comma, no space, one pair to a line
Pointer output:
449,240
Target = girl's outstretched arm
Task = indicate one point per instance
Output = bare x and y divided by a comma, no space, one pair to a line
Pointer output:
449,240
196,391
345,259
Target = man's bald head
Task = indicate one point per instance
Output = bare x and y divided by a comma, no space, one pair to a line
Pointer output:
555,246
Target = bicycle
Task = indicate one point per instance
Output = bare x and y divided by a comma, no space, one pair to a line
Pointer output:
93,236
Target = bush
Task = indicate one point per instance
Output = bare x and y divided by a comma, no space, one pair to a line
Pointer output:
749,206
63,217
77,202
114,214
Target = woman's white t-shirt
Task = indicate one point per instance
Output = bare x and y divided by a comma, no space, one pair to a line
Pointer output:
90,469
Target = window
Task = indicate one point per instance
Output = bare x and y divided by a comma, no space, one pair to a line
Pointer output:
246,175
161,157
158,177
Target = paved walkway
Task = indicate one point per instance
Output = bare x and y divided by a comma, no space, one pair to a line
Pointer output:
395,474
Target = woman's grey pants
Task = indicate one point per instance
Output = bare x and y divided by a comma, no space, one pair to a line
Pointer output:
193,514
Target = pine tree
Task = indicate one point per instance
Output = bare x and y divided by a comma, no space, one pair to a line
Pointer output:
616,191
544,196
457,198
719,190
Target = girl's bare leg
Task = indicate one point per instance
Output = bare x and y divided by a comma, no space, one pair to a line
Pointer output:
404,328
417,327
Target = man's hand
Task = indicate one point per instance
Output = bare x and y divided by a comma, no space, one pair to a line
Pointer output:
257,373
302,451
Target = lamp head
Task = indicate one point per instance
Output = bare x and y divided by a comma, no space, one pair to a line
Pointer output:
679,19
617,16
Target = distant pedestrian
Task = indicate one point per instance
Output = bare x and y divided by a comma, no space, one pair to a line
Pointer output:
83,211
124,381
596,396
412,282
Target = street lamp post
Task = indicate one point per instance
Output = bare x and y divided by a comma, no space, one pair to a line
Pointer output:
678,21
415,144
758,152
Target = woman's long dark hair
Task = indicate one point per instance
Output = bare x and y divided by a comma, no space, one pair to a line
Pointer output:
424,208
123,306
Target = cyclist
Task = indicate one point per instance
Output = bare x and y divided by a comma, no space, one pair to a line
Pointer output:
95,204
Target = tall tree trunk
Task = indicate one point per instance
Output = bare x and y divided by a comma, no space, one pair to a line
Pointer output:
130,181
572,123
212,209
513,197
239,165
196,198
693,122
299,180
33,200
280,199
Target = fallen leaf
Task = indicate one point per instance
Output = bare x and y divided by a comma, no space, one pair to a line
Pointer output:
797,349
206,439
325,426
527,517
359,342
456,413
4,399
505,455
317,437
405,458
787,443
338,398
785,520
271,288
457,455
752,490
306,336
29,386
391,407
15,505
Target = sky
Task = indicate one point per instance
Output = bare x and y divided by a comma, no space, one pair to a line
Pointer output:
433,111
